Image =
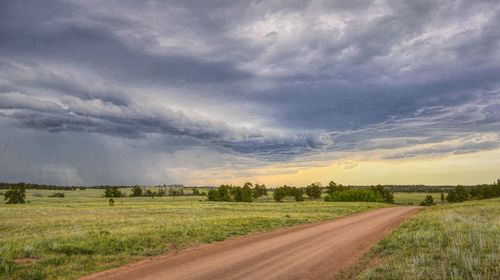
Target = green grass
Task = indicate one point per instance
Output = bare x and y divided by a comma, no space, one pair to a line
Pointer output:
414,198
454,241
68,237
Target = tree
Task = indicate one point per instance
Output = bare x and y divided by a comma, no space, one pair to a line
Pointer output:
112,192
333,188
279,194
298,194
459,194
246,193
259,191
386,194
214,195
136,191
442,197
428,201
16,194
111,202
313,191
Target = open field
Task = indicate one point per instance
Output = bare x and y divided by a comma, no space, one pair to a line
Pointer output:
312,251
72,236
455,241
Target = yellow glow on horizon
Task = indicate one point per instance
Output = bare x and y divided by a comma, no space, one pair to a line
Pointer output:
468,169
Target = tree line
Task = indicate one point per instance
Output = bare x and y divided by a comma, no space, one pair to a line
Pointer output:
247,193
461,193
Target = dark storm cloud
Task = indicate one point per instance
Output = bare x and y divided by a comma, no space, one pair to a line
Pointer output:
268,80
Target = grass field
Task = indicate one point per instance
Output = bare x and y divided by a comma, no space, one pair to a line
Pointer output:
455,241
414,198
68,237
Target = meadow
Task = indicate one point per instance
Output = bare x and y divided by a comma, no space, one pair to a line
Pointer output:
452,241
64,238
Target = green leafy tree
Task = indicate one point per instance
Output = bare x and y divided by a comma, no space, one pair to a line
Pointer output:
459,194
16,194
298,194
136,191
112,192
313,191
279,194
213,195
259,191
246,193
333,188
386,194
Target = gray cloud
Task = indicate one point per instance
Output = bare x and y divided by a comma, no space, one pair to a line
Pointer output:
266,81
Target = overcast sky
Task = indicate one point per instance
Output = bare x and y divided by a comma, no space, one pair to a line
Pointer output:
209,92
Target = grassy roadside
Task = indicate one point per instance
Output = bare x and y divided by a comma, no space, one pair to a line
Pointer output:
455,241
54,238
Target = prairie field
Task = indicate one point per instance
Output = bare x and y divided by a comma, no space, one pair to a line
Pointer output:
453,241
64,238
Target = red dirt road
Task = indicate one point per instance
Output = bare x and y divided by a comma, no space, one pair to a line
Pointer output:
313,251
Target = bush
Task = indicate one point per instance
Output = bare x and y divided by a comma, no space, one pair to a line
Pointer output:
428,201
16,194
60,195
313,191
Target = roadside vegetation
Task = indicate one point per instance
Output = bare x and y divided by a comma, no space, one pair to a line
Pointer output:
447,241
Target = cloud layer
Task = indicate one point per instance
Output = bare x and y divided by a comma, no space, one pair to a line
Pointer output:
239,84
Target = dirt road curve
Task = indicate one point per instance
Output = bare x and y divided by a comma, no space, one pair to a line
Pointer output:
314,251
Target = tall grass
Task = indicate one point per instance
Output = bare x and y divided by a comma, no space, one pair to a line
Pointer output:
458,241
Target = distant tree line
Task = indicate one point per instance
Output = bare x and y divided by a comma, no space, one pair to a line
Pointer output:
138,191
247,193
367,194
461,193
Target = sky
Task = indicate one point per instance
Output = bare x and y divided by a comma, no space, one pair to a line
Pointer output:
273,92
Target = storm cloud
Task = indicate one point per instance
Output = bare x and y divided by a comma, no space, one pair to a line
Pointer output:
235,84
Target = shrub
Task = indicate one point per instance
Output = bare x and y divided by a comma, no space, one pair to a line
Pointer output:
313,191
16,194
428,201
60,195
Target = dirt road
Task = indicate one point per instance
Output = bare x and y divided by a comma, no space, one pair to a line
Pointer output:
314,251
